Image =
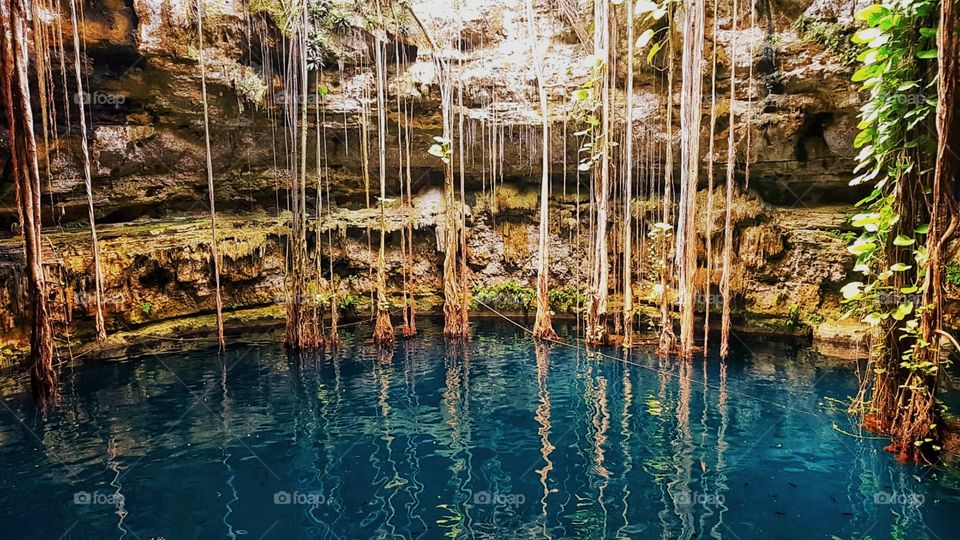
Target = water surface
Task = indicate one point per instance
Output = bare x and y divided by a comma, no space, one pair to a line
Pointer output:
497,438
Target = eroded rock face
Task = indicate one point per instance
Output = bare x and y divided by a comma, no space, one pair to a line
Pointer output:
800,103
149,170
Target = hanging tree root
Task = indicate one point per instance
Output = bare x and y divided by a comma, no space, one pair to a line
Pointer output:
15,82
383,329
43,376
543,324
596,333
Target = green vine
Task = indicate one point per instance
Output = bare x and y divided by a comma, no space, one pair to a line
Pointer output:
896,73
834,36
896,142
953,275
509,295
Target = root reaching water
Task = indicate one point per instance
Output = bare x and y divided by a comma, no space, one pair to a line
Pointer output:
691,104
596,331
214,252
728,212
542,327
383,330
88,185
24,167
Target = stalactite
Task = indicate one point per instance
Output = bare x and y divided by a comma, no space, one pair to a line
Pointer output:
728,210
25,171
542,326
214,252
691,105
88,184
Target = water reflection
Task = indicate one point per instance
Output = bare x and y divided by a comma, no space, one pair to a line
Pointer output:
542,416
497,437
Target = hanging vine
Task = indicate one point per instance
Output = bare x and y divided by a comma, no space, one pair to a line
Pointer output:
25,171
542,327
383,328
214,251
899,295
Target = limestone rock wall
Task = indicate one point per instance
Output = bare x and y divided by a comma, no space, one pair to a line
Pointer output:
149,172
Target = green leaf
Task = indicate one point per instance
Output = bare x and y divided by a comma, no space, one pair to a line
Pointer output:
866,221
438,151
923,229
866,35
644,6
870,13
644,38
930,54
864,73
862,246
902,311
902,240
653,51
900,267
851,290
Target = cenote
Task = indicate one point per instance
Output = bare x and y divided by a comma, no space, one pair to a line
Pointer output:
492,438
479,269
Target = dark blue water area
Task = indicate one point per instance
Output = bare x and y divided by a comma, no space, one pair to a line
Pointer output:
497,438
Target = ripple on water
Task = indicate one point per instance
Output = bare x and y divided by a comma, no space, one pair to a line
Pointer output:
490,440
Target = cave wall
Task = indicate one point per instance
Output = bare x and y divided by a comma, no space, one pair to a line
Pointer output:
149,172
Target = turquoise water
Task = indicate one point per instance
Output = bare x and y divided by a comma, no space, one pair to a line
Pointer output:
492,439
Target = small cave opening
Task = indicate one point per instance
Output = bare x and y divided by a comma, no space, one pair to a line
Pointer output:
155,276
811,143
